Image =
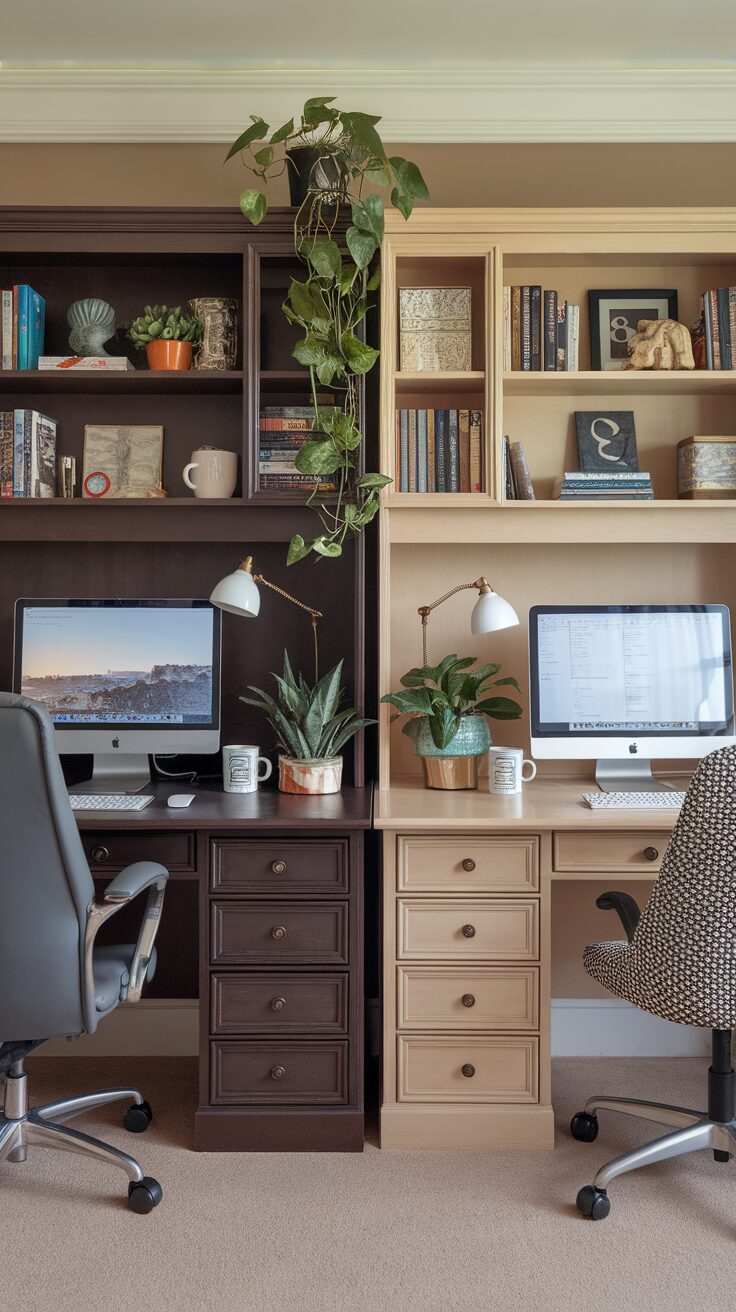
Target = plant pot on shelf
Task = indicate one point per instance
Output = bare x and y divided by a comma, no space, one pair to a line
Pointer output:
454,766
312,170
163,354
310,776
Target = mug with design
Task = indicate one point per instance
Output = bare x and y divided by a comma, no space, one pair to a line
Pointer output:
506,770
216,473
243,769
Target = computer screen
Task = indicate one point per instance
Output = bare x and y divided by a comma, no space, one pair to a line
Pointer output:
631,672
120,663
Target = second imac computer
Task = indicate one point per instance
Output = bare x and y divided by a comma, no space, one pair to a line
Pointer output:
122,679
624,684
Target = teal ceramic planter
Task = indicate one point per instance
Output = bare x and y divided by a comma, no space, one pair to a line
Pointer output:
473,738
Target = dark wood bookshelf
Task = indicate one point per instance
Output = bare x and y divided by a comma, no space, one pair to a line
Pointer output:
97,382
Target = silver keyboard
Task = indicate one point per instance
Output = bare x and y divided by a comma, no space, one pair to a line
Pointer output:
670,801
109,801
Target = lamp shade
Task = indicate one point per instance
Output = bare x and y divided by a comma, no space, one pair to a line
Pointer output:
491,613
237,593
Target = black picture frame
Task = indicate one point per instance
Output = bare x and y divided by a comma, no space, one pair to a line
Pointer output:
663,305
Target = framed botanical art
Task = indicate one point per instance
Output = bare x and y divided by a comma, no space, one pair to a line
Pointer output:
122,460
614,318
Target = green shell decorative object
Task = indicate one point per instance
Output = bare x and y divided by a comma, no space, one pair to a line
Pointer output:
92,323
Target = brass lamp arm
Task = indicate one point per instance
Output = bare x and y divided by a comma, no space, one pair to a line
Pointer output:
247,566
481,584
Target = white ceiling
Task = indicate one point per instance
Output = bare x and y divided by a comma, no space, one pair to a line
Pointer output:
374,33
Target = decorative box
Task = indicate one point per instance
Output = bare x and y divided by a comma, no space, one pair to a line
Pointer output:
435,329
706,468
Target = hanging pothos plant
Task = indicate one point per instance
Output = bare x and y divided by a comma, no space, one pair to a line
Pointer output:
332,154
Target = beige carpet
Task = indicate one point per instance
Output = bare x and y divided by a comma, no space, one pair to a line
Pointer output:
405,1232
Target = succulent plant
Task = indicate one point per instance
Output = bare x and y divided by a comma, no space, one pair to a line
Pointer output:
159,323
308,722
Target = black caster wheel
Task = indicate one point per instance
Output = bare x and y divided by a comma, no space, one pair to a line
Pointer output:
593,1203
144,1195
138,1117
584,1127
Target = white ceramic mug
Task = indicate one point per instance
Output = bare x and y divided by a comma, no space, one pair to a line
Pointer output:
506,770
217,472
241,768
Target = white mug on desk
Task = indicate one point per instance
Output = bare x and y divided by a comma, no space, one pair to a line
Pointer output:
243,769
506,770
216,473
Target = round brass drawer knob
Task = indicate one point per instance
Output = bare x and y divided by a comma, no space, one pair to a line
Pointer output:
278,932
468,864
278,867
468,1000
468,931
278,1072
100,855
651,853
278,1004
468,1070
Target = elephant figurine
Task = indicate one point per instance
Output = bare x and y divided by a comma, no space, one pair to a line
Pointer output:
660,344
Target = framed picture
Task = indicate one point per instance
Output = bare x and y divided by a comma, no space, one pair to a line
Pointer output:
614,318
606,440
122,460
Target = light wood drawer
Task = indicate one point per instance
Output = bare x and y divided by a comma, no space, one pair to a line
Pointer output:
468,929
488,1068
447,863
467,997
619,852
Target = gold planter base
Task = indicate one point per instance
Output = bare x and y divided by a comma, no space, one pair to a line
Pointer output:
450,771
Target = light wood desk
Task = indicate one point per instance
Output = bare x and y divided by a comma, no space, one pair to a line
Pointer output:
466,950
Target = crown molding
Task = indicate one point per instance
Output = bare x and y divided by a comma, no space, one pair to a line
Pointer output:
604,102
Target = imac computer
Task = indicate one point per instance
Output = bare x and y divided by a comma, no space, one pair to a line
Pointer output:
623,684
122,679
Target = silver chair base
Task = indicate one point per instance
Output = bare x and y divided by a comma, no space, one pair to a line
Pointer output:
692,1132
22,1127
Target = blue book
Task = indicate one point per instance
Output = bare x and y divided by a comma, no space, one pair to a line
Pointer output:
23,302
36,325
404,487
440,450
453,446
422,451
708,333
724,326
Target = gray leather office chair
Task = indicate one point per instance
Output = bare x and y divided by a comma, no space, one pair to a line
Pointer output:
54,981
679,963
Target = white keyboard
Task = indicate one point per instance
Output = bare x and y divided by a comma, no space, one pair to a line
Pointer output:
670,801
109,801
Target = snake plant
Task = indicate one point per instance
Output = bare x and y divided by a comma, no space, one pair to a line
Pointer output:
308,722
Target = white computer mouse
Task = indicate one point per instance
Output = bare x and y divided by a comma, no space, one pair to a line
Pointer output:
180,799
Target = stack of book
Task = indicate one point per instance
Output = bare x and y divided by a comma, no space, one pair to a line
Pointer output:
284,430
719,322
541,331
27,454
518,485
111,363
439,450
609,485
22,321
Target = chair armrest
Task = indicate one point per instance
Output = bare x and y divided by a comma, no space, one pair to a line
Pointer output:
625,906
135,879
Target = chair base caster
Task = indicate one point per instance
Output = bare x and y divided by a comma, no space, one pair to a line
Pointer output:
138,1117
144,1195
593,1203
584,1127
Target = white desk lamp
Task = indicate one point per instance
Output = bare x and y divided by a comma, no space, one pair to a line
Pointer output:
490,612
238,593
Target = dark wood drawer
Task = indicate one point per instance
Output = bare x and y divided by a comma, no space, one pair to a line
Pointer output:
282,1071
298,933
175,849
294,1003
276,865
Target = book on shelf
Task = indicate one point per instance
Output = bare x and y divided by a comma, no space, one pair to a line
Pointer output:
22,324
439,450
609,485
719,323
540,331
27,454
109,363
283,431
523,485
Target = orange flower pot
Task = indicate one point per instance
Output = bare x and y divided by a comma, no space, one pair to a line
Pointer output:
169,355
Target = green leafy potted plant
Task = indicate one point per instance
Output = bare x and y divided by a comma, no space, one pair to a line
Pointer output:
449,706
167,335
311,728
331,155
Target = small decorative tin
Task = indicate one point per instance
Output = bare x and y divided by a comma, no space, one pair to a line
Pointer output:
435,329
706,468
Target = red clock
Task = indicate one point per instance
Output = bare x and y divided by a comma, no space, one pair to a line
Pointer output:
96,484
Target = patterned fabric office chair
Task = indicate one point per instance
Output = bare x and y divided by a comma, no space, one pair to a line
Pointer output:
680,964
54,980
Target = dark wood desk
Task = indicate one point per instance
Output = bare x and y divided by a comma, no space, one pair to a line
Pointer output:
280,897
